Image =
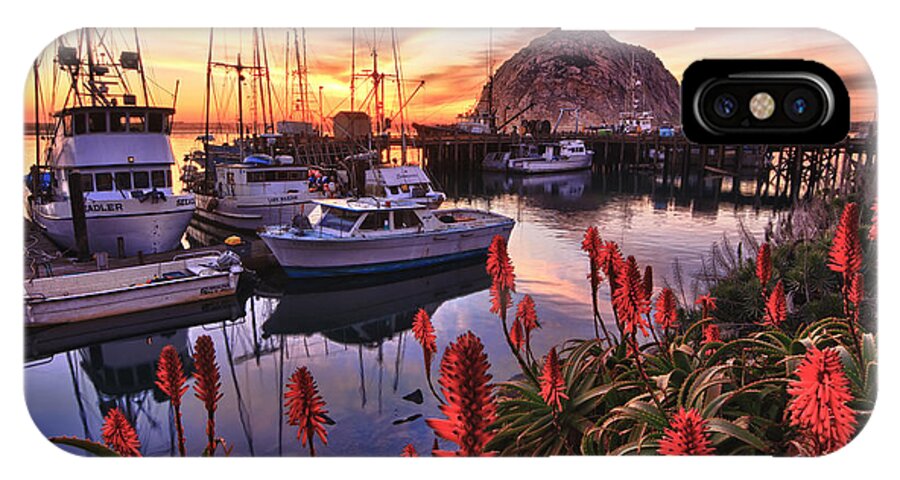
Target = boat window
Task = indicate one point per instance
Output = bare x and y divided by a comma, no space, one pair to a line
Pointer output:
296,175
97,122
141,180
80,125
406,219
155,122
339,219
281,176
394,190
375,221
123,181
158,178
104,182
87,182
117,121
136,123
67,125
404,188
256,177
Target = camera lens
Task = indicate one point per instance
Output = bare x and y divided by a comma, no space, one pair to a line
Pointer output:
725,105
801,105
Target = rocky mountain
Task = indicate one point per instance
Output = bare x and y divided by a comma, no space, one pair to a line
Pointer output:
589,70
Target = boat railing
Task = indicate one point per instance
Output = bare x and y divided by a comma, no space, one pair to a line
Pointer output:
204,253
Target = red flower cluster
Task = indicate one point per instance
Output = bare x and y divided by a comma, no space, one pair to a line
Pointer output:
409,451
711,333
819,400
610,259
630,299
526,317
305,408
119,435
170,379
686,435
707,304
846,252
423,331
207,384
764,265
592,244
553,388
470,406
666,315
503,278
776,307
517,334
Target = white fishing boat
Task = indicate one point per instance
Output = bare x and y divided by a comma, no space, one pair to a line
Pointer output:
371,235
105,293
562,156
119,147
408,182
262,191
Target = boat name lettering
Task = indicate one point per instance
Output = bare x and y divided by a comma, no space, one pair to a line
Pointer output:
289,198
103,207
185,201
224,287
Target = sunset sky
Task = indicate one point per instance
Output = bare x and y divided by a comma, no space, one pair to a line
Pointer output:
452,62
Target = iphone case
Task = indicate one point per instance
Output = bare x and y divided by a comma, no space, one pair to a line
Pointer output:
437,242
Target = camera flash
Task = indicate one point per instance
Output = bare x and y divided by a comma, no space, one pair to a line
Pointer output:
762,106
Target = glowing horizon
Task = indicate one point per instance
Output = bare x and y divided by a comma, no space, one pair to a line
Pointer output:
453,77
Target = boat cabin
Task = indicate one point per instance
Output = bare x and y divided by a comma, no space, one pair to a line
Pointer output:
407,182
377,217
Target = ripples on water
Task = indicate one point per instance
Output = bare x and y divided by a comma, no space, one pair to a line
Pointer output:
355,337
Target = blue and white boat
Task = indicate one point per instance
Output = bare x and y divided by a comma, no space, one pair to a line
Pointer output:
344,237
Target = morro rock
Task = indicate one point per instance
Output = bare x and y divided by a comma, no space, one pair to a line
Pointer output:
589,70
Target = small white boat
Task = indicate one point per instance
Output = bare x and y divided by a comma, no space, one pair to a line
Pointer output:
370,235
562,156
408,182
105,293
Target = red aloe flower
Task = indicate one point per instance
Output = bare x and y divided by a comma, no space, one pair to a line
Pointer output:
119,435
846,253
503,278
707,304
170,379
630,300
423,330
818,404
687,434
711,333
409,451
593,246
207,384
648,282
306,408
873,230
527,317
666,315
516,335
611,260
776,307
857,295
553,388
470,406
764,265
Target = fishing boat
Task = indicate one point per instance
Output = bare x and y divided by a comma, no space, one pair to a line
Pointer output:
262,191
407,182
528,158
371,235
117,148
87,296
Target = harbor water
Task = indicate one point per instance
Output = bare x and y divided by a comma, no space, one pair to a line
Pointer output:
355,337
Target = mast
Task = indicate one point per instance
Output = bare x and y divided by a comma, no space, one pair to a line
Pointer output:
303,106
240,96
90,55
305,74
207,172
37,132
271,124
399,97
137,46
352,69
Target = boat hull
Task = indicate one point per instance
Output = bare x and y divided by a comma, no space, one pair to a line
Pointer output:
319,258
147,228
251,214
575,162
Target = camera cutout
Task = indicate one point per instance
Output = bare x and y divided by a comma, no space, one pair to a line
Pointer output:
764,101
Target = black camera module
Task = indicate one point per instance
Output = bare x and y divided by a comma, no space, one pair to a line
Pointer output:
801,105
725,105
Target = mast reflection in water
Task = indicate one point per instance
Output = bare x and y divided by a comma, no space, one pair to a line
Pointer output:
354,336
